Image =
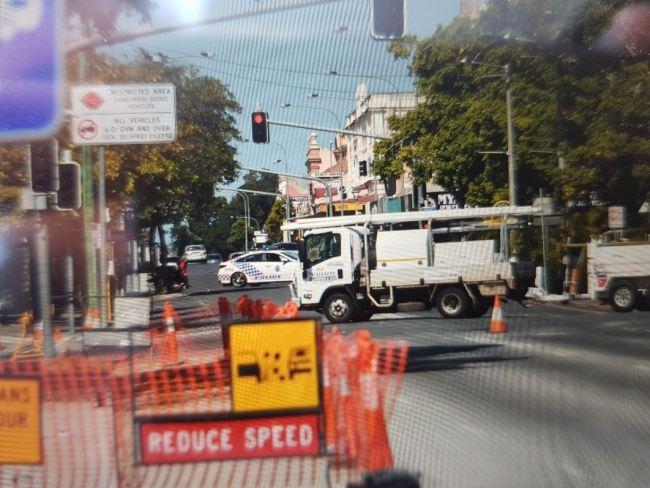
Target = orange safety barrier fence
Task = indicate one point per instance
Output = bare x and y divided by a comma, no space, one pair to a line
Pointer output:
91,406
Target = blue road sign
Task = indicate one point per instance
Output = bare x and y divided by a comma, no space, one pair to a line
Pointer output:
31,71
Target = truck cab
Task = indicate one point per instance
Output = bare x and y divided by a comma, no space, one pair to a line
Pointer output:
330,260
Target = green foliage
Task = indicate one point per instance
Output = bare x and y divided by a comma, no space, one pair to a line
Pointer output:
236,239
274,220
12,177
572,97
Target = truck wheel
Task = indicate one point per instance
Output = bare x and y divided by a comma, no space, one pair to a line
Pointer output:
238,280
340,308
453,303
623,297
482,305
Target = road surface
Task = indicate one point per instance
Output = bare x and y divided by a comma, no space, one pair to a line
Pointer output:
562,399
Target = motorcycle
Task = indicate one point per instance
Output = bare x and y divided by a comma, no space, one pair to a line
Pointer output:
170,276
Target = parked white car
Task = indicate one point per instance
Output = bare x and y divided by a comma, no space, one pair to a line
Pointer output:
196,252
258,267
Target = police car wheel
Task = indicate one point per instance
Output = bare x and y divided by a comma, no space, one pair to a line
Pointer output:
238,280
340,308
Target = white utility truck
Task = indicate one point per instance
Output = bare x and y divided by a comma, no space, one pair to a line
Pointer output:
354,266
619,273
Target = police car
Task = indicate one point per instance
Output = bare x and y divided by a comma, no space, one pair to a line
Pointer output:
258,267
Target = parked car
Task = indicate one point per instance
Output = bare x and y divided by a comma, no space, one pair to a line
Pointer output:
214,258
258,267
195,252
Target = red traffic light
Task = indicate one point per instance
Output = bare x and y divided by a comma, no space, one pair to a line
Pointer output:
260,127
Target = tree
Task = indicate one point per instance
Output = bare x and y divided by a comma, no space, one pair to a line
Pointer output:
274,220
571,97
236,239
102,17
171,182
12,177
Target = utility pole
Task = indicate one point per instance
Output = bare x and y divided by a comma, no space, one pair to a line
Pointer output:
512,161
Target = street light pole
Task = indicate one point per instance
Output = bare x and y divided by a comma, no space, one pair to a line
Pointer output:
338,121
249,218
327,184
287,200
247,209
334,72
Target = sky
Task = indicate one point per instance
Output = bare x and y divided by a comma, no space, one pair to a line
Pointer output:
274,59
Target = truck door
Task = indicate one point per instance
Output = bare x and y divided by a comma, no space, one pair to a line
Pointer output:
324,260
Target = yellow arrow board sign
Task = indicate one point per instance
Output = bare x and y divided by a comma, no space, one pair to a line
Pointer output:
20,421
274,366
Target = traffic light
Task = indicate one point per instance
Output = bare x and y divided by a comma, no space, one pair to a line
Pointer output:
260,127
387,19
44,160
363,168
69,194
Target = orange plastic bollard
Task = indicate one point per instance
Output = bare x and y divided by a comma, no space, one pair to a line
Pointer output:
242,305
257,309
269,310
329,394
290,310
497,324
376,454
171,341
347,373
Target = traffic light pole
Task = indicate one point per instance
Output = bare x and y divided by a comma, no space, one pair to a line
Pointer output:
87,209
104,296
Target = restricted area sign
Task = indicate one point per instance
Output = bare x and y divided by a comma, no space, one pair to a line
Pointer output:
192,441
124,114
20,421
274,366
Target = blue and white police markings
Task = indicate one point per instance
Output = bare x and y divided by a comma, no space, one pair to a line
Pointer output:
262,269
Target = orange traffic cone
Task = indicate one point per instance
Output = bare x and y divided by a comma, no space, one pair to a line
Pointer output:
269,310
497,324
91,319
373,424
171,342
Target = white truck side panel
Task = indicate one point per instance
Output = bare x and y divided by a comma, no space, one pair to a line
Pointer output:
399,249
464,252
469,272
620,260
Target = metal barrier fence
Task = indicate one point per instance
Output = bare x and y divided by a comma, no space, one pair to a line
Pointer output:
79,420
